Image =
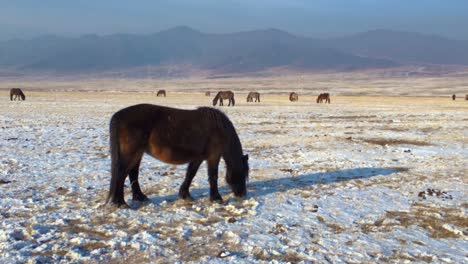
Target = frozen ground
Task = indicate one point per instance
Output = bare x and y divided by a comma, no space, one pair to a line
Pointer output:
365,179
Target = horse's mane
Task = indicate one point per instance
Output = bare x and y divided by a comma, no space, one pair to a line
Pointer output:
222,122
220,119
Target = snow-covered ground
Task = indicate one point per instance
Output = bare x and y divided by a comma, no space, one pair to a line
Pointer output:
365,179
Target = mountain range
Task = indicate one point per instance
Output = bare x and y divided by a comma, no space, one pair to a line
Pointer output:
229,53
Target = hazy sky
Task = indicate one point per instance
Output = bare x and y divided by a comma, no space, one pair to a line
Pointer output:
315,18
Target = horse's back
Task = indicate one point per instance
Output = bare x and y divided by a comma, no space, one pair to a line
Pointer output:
226,94
150,117
169,134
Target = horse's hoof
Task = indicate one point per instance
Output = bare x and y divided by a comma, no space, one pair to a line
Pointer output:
216,199
186,197
140,198
121,205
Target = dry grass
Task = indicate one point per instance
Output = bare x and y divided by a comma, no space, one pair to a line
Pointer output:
384,142
290,256
335,227
51,253
429,217
75,227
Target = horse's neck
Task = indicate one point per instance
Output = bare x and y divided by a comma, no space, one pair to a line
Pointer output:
233,152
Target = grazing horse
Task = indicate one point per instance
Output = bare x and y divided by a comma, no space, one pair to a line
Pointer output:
454,97
174,136
161,93
293,97
252,95
322,97
17,93
466,97
207,93
227,95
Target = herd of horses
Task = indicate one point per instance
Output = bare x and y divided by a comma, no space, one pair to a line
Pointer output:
177,136
17,93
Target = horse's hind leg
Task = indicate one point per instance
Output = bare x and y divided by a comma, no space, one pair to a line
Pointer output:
138,195
121,167
213,180
191,171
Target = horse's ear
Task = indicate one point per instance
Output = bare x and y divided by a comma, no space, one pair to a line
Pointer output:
246,157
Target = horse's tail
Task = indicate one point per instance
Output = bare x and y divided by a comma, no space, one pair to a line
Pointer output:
114,152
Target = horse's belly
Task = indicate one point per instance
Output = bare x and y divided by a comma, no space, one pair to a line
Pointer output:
172,156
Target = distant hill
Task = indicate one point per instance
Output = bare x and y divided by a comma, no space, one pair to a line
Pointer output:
229,53
404,47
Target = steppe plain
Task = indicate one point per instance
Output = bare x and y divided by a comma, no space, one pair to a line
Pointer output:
378,175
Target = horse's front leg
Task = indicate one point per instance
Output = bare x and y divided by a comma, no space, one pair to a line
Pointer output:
220,101
213,179
191,172
138,195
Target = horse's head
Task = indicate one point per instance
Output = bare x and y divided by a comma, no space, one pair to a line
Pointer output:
237,178
215,100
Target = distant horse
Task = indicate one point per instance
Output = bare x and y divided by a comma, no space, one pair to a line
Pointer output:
322,97
207,94
161,93
293,97
17,93
252,95
174,136
226,95
454,97
466,97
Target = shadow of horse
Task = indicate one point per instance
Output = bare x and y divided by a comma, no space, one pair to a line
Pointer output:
266,187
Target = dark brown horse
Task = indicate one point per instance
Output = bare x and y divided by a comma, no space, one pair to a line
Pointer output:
253,95
323,97
293,97
207,93
454,97
161,93
226,95
466,97
174,136
17,93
